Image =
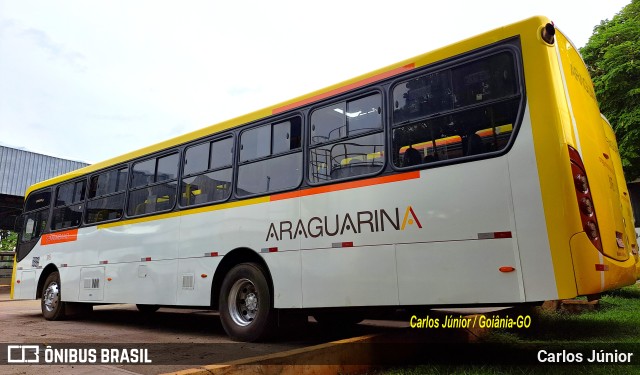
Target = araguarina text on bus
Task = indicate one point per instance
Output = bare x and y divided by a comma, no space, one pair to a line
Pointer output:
360,222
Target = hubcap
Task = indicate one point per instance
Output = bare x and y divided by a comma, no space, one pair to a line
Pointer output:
51,297
243,302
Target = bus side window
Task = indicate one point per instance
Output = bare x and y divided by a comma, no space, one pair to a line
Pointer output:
207,172
68,205
34,221
105,200
346,139
270,158
34,224
465,110
29,229
153,185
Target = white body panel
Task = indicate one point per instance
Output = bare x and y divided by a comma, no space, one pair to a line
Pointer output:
420,241
27,287
349,276
142,282
430,269
92,284
539,282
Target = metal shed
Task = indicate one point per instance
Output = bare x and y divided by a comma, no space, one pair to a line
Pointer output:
18,170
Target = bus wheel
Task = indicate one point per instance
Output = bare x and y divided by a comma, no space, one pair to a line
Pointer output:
245,303
51,303
147,309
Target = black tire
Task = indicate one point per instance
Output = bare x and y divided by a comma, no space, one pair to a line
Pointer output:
336,319
51,302
245,305
147,309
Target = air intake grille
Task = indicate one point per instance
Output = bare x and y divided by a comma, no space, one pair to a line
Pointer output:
187,281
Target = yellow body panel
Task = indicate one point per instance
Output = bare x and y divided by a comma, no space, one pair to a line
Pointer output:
549,111
630,239
617,273
13,277
582,130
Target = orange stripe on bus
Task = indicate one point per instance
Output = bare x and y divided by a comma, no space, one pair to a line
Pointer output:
345,88
59,237
347,185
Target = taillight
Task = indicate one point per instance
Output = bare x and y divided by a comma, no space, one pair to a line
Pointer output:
586,206
581,182
585,200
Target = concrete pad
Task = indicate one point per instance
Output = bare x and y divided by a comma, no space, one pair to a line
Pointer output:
296,361
336,358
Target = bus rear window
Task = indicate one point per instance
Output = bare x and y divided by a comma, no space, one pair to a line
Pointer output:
477,82
462,111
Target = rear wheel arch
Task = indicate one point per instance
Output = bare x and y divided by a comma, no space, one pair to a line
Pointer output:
232,259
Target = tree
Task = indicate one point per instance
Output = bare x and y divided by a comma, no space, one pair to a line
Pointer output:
612,55
8,240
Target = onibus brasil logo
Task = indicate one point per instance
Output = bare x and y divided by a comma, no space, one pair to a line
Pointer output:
379,220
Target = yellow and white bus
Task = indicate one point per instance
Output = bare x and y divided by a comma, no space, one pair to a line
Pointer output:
475,174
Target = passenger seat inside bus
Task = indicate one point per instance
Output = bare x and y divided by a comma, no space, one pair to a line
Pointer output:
207,189
475,145
411,157
431,158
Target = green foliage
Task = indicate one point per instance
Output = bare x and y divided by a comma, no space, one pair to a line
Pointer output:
8,240
612,55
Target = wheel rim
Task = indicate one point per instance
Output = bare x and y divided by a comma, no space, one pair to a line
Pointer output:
243,302
51,297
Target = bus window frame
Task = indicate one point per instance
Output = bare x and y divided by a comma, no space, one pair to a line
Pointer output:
48,208
269,121
174,150
31,243
514,47
53,206
125,192
369,90
208,140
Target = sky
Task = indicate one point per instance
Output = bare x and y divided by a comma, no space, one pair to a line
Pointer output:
89,80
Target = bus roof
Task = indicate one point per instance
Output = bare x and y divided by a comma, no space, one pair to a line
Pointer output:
433,56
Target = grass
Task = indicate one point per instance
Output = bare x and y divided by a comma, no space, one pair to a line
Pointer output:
617,320
614,324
